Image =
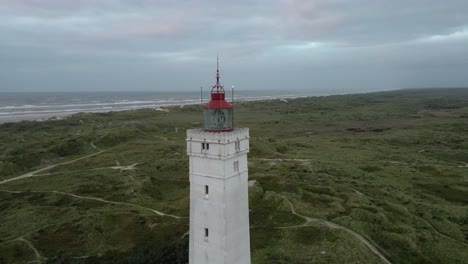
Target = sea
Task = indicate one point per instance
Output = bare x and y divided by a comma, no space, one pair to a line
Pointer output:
18,106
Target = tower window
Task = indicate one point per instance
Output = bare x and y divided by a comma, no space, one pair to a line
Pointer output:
205,146
206,234
237,144
206,191
236,165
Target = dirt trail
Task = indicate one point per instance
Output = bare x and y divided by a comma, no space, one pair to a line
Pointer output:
121,203
336,226
119,167
265,159
423,220
38,256
293,211
432,227
389,161
82,257
185,234
163,138
104,201
33,173
94,146
126,168
423,164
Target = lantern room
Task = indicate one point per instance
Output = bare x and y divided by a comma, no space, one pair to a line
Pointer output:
217,113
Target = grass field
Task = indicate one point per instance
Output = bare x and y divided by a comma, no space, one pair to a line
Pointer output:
386,168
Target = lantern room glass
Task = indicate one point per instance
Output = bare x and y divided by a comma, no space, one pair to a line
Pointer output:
218,119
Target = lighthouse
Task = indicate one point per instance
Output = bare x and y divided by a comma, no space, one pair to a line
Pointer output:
219,207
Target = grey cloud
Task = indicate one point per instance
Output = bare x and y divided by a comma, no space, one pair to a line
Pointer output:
123,44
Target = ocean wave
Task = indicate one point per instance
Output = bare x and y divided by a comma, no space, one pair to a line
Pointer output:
97,104
95,109
47,109
123,102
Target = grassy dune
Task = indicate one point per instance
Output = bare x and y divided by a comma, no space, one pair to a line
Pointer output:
388,166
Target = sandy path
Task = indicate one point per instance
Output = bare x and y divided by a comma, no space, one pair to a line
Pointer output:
121,203
265,159
421,219
126,168
121,168
336,226
423,164
31,246
432,227
33,173
94,146
389,161
163,138
103,201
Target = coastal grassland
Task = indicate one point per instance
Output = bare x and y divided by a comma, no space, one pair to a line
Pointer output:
389,166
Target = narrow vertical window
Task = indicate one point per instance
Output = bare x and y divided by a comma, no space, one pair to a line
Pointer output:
236,165
206,191
207,146
203,145
237,144
206,234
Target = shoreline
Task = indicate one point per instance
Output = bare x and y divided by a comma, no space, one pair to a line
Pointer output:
51,116
40,117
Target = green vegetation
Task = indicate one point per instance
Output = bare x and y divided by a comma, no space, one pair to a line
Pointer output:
389,166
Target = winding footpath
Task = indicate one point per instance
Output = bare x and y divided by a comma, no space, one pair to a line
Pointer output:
103,201
120,203
38,256
336,226
423,220
33,173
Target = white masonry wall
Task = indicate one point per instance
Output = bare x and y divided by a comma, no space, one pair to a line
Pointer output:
225,210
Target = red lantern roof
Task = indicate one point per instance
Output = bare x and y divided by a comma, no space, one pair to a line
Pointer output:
218,95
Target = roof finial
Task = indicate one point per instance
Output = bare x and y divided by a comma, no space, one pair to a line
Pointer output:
218,86
217,71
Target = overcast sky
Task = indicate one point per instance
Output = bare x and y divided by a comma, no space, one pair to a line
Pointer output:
126,45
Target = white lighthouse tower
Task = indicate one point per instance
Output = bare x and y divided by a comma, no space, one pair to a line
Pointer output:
219,208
